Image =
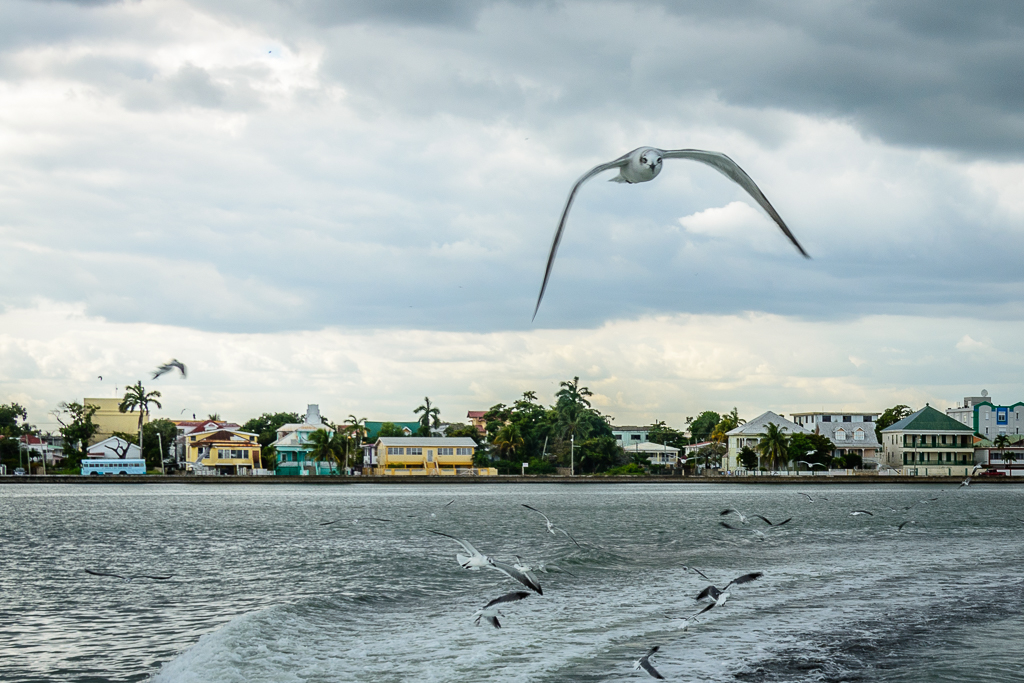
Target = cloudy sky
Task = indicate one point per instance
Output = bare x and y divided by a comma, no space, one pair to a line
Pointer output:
351,204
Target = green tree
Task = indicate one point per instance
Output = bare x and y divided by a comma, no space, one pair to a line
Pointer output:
355,430
572,392
890,417
599,453
390,429
213,416
508,441
813,448
431,417
323,445
774,446
703,425
730,422
466,430
268,457
747,457
168,432
659,432
266,425
11,431
136,397
76,428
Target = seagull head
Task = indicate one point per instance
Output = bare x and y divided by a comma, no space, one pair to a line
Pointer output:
649,162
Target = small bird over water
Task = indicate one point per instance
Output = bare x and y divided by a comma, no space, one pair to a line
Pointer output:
644,164
171,365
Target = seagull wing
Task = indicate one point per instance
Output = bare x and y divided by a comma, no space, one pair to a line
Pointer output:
862,512
89,571
519,576
160,370
335,521
729,526
508,597
698,572
709,592
731,170
569,536
645,663
465,544
765,520
618,163
537,511
181,366
155,578
746,578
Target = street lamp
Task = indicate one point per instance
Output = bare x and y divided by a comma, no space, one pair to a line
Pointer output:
572,455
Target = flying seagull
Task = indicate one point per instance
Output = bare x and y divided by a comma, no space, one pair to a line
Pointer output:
743,517
541,567
805,495
171,365
909,521
858,513
490,612
475,560
713,592
695,571
129,579
811,465
965,482
551,527
645,663
644,164
756,532
513,572
769,522
718,601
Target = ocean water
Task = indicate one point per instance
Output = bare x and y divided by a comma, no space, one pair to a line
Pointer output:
262,592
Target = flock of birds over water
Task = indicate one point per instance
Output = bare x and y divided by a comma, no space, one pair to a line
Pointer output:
710,598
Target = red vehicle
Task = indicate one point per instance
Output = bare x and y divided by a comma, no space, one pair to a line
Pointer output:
993,473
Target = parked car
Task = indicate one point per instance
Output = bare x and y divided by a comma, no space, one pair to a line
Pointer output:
19,471
993,473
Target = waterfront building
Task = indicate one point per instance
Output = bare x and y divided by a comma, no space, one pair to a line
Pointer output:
929,443
627,436
850,433
987,419
373,428
110,419
293,447
187,428
1008,460
114,448
223,451
442,455
750,434
657,454
476,418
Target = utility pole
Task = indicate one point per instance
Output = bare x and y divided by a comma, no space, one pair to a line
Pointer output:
160,441
572,455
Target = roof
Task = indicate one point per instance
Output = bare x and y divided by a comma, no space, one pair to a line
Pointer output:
829,429
1016,441
648,447
373,427
222,435
420,441
928,419
476,413
630,428
759,424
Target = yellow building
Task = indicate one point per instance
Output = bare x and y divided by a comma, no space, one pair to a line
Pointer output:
109,419
438,455
223,451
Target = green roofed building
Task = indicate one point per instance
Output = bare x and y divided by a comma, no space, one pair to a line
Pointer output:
928,443
373,429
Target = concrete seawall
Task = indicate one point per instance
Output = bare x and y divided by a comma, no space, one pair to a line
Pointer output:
512,479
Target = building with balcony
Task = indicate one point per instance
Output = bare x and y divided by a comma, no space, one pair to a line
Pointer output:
1009,460
436,455
987,419
749,435
628,436
294,450
929,443
850,433
476,418
656,453
223,451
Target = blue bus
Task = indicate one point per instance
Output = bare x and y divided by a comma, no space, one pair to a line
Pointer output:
113,466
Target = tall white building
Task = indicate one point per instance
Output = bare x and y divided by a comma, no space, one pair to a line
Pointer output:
988,419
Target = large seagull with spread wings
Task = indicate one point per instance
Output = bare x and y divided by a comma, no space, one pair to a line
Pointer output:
644,164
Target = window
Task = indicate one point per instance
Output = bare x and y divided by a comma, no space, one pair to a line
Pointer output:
634,437
867,418
414,451
618,437
464,451
840,435
1001,416
826,418
858,435
445,451
393,450
847,418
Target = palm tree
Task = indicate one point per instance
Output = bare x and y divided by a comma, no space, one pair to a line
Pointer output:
324,445
773,445
431,415
136,397
270,453
529,396
508,439
1000,442
355,427
572,392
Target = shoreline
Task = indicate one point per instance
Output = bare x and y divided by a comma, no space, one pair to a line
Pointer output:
324,480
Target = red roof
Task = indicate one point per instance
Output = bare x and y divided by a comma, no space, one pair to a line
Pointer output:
476,413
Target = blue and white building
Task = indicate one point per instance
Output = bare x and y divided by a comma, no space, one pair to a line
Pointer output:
293,447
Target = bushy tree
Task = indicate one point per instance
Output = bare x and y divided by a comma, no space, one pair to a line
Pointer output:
659,432
813,448
76,428
703,425
390,429
464,430
266,425
13,424
747,457
890,417
151,450
598,454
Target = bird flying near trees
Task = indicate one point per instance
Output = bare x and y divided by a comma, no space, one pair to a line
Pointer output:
169,366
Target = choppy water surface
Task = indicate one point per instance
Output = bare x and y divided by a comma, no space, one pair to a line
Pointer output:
263,592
